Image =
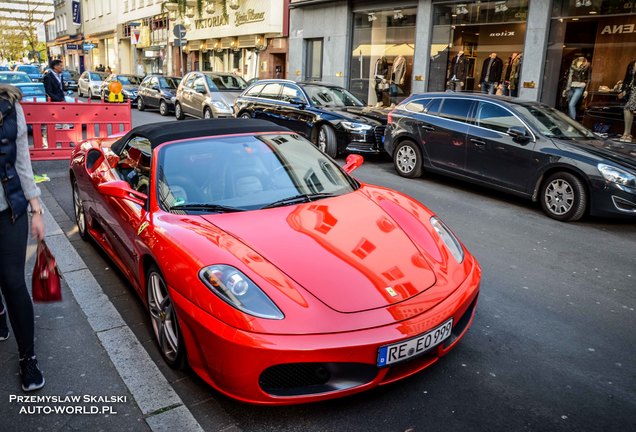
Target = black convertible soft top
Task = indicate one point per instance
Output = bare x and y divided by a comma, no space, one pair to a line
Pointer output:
159,133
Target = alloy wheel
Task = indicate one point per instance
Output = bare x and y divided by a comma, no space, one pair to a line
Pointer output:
406,159
559,196
163,108
78,208
322,140
164,322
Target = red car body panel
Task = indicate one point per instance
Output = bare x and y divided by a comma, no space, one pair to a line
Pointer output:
326,264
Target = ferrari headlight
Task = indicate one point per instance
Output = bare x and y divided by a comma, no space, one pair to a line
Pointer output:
617,175
449,239
221,105
233,287
356,127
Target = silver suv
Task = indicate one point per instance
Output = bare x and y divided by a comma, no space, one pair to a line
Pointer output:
207,95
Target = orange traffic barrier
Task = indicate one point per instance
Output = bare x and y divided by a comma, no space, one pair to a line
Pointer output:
57,127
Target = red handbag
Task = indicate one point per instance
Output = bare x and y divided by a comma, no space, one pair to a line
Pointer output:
46,276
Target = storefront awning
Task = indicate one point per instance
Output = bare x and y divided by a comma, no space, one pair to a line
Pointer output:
379,50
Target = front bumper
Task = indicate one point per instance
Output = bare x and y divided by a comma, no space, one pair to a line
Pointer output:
292,369
371,141
610,199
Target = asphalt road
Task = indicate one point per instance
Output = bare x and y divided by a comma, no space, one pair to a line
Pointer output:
552,346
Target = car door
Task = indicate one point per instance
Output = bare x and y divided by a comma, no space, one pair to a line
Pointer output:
267,107
187,103
292,113
199,93
152,92
82,83
494,155
125,217
443,132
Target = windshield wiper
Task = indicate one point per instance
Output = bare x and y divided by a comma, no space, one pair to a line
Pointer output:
298,199
204,206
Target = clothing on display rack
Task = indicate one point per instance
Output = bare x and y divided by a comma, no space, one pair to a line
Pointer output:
515,71
511,74
457,72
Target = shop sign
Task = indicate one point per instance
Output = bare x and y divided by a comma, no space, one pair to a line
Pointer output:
77,17
71,46
249,17
502,34
89,46
216,21
619,29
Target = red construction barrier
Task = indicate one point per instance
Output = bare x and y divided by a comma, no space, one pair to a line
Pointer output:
59,126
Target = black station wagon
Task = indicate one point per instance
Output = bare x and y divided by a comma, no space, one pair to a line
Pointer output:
525,148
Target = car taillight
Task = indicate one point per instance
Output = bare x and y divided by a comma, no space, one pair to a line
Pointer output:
389,118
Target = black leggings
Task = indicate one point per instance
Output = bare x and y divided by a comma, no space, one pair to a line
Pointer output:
13,242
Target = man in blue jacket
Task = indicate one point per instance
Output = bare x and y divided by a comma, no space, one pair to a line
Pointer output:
54,83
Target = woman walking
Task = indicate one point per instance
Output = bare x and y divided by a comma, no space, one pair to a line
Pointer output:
19,198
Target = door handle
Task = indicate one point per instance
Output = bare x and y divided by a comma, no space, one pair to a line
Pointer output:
478,143
428,128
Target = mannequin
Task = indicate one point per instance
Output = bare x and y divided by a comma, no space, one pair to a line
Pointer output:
491,73
457,72
508,73
628,92
578,77
381,83
515,70
398,72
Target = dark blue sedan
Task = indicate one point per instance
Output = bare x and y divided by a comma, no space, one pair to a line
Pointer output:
521,147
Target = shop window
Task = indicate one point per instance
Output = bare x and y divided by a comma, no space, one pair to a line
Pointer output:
382,55
313,56
464,36
589,47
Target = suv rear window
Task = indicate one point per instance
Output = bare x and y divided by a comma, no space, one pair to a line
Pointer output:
456,109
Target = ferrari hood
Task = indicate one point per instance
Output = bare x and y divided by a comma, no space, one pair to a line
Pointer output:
347,251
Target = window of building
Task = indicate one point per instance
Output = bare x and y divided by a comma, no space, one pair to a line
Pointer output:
382,55
589,47
313,57
465,35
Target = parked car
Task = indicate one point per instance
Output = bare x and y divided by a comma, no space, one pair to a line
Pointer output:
31,91
70,78
4,68
267,230
158,91
207,95
325,114
129,84
521,147
31,70
90,84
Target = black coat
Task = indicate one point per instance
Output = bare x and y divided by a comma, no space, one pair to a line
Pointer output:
495,70
458,67
52,87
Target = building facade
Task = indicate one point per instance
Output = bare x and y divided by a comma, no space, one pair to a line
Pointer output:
398,47
99,18
65,40
143,37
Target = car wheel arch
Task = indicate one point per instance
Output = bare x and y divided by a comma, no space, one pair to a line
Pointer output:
553,169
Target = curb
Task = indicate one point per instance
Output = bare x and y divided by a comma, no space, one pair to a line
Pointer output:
162,408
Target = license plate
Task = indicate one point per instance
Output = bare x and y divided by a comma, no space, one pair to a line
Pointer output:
399,351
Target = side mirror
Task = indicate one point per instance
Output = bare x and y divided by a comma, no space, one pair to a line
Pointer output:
353,162
518,134
121,189
200,89
69,92
155,87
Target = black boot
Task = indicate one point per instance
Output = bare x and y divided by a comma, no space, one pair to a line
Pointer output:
32,378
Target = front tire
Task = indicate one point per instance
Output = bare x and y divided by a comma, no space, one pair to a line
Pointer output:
90,94
407,159
80,214
163,108
207,114
564,197
140,104
245,115
327,141
178,112
164,320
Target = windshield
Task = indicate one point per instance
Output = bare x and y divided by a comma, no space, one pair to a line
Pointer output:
29,69
128,79
245,173
324,96
14,78
169,82
554,124
226,82
96,76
